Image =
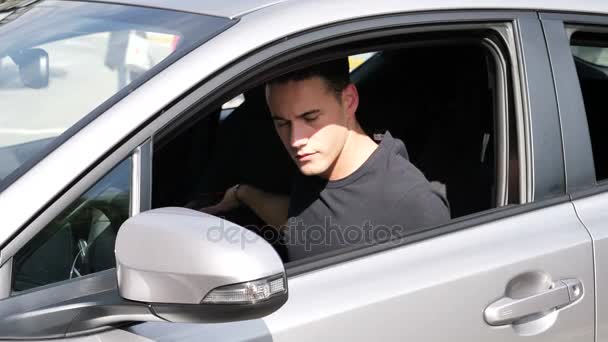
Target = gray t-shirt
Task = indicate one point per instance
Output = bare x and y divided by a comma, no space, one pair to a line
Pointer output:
386,197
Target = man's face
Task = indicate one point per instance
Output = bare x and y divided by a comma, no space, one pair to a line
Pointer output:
312,122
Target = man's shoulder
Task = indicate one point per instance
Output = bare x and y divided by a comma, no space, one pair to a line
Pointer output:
395,160
400,177
399,171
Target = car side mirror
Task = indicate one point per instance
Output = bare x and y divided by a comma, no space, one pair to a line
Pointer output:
194,267
173,264
33,67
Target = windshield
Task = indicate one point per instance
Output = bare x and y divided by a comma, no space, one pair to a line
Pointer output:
60,60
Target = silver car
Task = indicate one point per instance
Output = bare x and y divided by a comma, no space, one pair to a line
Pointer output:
118,118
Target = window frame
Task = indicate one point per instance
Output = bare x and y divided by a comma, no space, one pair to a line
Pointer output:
578,154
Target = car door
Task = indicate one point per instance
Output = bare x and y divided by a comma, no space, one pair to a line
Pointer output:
517,272
577,46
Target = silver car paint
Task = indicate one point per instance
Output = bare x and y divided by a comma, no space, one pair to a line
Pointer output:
141,193
236,8
115,335
434,290
592,212
6,272
183,254
229,9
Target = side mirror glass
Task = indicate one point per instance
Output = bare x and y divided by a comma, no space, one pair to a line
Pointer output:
33,67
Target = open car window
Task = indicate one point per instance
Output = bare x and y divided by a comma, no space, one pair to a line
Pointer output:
445,114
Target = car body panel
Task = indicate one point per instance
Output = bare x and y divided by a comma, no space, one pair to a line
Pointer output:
578,155
590,197
114,335
592,212
434,290
229,9
324,8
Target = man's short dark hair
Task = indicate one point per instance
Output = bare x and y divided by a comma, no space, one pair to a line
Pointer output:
335,73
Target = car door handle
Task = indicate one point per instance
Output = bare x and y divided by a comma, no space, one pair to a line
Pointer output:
508,310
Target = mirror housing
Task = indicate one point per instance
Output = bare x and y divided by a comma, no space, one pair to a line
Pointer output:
33,67
185,263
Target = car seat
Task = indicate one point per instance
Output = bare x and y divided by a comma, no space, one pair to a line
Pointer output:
437,100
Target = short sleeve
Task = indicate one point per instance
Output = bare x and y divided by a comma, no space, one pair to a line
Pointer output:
421,207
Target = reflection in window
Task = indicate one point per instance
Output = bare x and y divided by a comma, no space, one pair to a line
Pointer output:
230,106
61,60
592,54
356,61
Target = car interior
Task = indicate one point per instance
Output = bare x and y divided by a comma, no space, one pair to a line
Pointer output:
439,99
80,240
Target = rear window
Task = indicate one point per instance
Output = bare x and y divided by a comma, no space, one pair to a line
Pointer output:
590,52
63,60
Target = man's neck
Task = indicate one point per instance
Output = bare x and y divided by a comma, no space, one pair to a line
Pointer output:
357,149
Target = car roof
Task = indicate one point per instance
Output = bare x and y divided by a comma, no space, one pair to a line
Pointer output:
238,8
221,8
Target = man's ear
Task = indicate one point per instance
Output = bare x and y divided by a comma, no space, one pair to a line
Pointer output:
350,100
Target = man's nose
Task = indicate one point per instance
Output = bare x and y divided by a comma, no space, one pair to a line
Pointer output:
298,136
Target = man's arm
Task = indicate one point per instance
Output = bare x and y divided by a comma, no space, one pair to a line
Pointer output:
422,207
271,208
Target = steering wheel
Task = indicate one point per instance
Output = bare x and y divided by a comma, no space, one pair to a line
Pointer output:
95,238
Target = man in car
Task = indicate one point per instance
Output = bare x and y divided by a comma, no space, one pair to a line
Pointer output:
350,191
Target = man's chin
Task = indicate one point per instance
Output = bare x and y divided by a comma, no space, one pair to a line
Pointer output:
309,170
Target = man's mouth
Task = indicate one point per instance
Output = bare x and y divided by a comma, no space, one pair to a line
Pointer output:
304,156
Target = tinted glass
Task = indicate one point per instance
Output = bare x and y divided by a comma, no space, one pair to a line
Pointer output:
591,58
61,60
81,239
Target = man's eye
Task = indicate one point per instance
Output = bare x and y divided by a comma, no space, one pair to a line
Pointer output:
281,123
311,117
